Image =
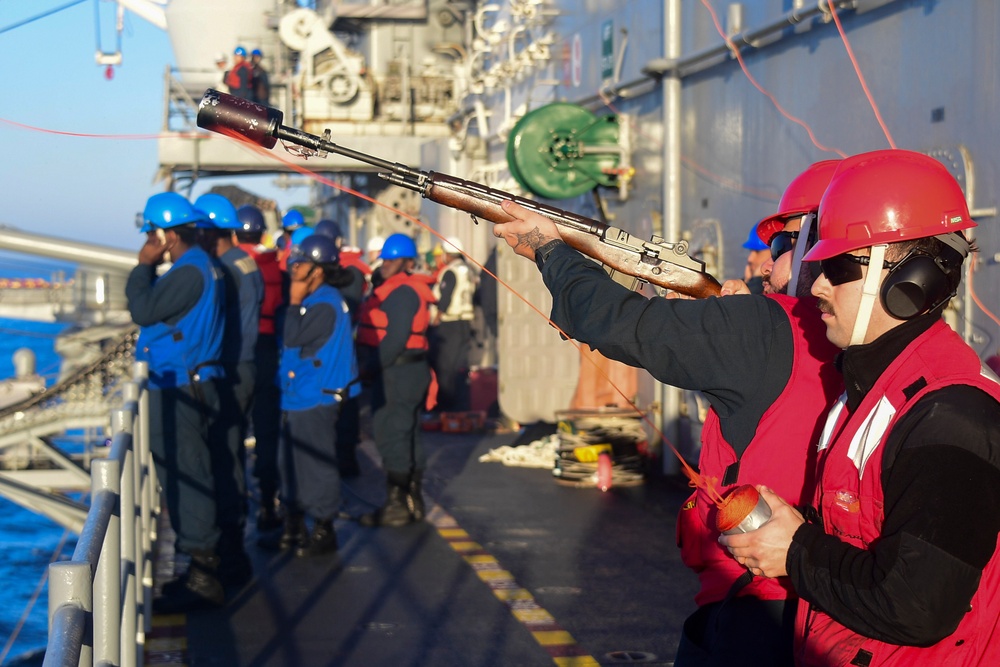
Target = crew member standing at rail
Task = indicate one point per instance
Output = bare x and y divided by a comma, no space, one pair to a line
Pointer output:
764,418
392,340
266,412
901,566
318,369
244,295
180,316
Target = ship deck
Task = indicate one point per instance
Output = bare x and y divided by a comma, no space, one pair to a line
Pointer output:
510,568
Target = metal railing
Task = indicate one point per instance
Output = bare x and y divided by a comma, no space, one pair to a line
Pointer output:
100,602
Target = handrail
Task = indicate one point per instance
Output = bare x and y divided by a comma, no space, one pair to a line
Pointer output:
100,600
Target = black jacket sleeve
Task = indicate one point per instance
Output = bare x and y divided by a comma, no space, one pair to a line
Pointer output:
309,328
941,481
737,350
153,300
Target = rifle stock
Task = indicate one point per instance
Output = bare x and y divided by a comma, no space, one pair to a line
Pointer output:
655,261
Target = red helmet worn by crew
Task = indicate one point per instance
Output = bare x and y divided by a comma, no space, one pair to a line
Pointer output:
888,196
800,197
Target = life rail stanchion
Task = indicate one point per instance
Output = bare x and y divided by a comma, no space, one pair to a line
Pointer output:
105,475
70,602
122,424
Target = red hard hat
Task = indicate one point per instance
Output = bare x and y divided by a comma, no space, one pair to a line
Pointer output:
801,196
885,197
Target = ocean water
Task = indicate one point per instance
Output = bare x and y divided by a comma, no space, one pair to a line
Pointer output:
28,541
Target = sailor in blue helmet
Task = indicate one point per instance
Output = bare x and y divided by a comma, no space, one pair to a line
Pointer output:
180,315
392,341
244,295
261,82
240,77
267,396
318,369
349,424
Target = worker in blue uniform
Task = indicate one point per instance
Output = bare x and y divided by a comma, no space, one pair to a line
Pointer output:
266,403
392,340
318,369
244,294
180,315
349,422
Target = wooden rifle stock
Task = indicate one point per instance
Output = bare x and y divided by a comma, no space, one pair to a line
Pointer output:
661,264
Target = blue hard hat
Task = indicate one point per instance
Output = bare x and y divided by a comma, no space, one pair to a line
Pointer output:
220,212
753,241
251,220
315,248
300,235
399,246
168,209
240,51
329,228
257,52
292,220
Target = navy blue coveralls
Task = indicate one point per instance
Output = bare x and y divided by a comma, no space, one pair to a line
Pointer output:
181,320
317,368
244,293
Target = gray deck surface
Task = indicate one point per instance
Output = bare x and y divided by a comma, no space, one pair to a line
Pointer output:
605,566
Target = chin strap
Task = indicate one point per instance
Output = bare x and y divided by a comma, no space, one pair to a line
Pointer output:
869,293
798,252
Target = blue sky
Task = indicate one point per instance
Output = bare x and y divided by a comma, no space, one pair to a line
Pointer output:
81,188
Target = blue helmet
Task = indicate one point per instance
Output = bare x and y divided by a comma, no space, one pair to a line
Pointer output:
314,248
329,228
251,220
168,209
754,241
399,246
300,235
292,220
257,52
219,211
240,51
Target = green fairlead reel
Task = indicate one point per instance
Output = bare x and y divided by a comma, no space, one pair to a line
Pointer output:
562,150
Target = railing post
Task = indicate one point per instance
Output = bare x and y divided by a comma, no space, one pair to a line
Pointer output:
148,498
105,478
128,565
70,584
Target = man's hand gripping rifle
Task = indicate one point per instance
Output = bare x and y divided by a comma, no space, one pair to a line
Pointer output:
656,261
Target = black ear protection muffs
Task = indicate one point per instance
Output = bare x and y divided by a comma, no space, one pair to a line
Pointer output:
920,282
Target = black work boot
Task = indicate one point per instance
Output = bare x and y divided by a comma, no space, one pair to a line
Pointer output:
295,534
396,510
322,541
200,590
415,495
267,513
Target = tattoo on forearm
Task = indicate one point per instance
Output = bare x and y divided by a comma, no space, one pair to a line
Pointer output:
532,239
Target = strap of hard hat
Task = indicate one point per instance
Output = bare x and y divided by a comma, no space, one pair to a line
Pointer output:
799,251
869,293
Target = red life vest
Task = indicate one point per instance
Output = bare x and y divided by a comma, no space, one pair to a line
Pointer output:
851,497
352,257
234,81
781,455
372,320
267,262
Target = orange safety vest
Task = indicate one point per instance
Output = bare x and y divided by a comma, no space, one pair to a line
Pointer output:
373,321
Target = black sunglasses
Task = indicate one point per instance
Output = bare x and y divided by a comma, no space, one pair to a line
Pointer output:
781,243
845,268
